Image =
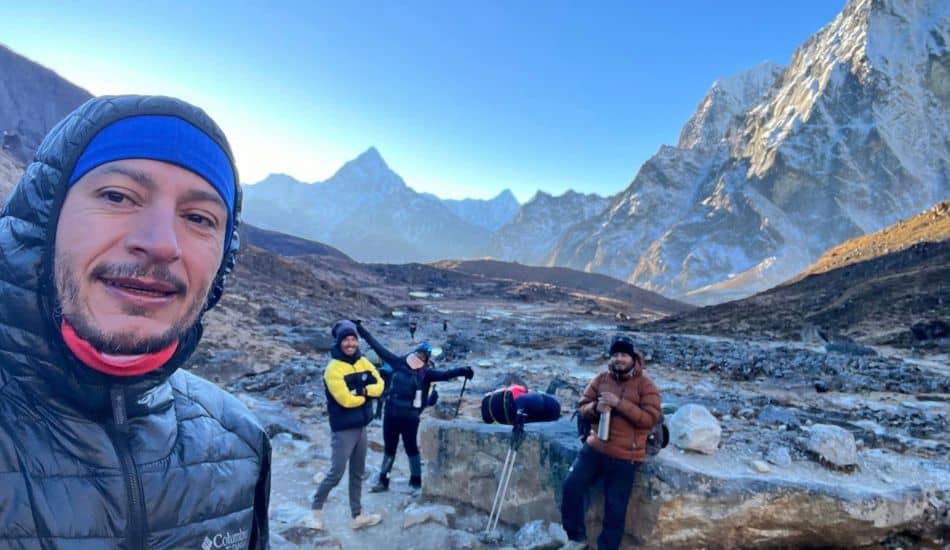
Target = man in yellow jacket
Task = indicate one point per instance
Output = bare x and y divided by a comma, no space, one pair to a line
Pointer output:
350,381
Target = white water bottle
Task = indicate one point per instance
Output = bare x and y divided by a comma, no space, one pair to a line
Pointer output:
417,402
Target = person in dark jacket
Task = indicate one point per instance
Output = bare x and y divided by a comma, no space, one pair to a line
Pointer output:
633,404
351,382
407,394
114,243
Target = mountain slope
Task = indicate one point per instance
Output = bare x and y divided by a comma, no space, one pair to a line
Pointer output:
590,283
32,99
540,223
367,211
769,173
286,245
872,288
490,214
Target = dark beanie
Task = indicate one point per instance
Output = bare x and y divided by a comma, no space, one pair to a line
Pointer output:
343,329
623,344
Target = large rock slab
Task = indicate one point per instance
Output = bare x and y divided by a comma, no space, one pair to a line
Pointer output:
688,500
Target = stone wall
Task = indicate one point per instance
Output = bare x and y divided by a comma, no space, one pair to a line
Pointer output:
684,500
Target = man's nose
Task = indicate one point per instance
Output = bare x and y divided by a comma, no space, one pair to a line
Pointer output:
153,234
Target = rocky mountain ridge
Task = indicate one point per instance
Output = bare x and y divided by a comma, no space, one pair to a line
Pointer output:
849,138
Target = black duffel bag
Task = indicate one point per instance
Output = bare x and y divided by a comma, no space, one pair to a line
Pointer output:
501,407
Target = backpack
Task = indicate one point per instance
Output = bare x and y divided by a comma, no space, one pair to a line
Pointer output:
584,425
659,437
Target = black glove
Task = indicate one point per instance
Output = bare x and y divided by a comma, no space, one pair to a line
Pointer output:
356,322
467,372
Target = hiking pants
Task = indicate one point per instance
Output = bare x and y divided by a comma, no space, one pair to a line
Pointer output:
395,427
618,475
347,446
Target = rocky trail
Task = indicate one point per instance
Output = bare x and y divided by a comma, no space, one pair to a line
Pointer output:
769,397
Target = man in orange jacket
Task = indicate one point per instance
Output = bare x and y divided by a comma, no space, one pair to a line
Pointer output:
633,403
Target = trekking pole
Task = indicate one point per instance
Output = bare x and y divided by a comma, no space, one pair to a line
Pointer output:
517,437
503,485
499,496
459,404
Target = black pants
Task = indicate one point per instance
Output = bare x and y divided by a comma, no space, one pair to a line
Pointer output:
395,426
618,476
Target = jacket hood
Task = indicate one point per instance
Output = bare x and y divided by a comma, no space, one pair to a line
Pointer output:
31,344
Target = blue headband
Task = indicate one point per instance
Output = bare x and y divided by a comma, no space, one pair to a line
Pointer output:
168,139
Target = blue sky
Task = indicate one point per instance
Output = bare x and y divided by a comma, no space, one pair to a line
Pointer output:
462,99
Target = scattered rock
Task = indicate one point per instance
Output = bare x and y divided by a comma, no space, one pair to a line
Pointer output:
462,540
416,514
540,535
821,386
760,466
930,330
275,420
849,348
693,428
779,456
270,316
771,415
833,445
566,392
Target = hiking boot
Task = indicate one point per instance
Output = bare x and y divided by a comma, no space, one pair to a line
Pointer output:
365,520
381,486
315,521
575,545
415,485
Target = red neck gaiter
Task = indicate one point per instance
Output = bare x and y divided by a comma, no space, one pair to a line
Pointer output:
115,365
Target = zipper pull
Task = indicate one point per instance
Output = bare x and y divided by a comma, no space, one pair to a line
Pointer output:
118,409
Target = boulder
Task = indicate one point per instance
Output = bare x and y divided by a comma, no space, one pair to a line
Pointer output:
833,445
779,456
540,535
416,514
694,428
690,500
274,418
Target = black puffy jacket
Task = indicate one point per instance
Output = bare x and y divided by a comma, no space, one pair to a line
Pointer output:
162,460
405,382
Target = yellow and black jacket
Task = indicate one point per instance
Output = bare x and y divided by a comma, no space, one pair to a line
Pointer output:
350,382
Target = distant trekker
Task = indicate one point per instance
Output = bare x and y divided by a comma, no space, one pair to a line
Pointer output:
406,395
628,403
350,381
412,330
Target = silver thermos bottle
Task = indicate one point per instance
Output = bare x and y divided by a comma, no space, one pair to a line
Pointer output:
603,426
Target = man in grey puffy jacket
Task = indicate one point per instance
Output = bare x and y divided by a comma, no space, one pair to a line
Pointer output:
114,243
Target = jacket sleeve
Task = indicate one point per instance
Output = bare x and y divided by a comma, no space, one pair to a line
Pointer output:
376,388
384,354
260,535
441,375
645,415
588,404
333,377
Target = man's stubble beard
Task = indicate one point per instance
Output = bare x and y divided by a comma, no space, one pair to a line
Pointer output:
118,343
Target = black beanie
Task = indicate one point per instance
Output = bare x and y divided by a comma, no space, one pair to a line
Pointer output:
624,344
343,329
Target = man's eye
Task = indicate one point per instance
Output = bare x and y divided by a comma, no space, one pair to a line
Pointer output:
201,220
114,196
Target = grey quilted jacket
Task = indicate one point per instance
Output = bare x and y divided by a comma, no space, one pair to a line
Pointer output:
162,460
